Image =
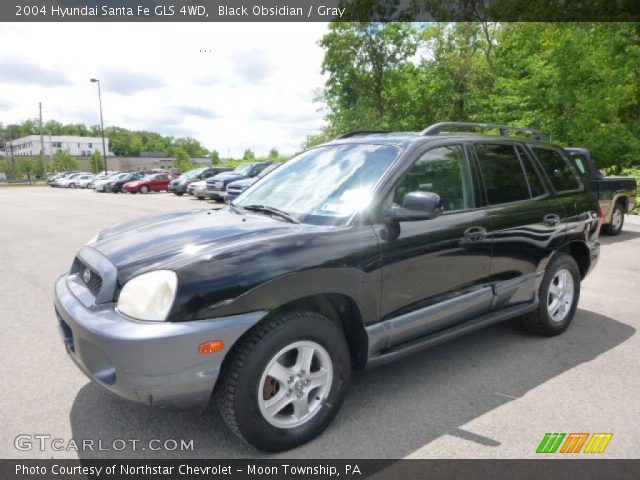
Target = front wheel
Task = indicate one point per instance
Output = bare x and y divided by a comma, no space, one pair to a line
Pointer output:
144,189
559,294
617,221
283,384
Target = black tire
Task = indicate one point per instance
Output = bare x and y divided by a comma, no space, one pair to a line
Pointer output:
237,390
540,320
72,185
179,194
614,228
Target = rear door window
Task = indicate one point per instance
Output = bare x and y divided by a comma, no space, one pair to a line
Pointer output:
504,178
562,176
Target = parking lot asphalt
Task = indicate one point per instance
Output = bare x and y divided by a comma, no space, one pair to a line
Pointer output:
492,394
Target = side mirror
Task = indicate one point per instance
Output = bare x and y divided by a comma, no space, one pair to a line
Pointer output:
416,206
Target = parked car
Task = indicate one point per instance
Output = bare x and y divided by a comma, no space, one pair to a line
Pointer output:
61,179
156,182
216,186
97,178
616,195
193,186
83,181
234,189
73,181
51,179
115,185
180,185
99,185
353,254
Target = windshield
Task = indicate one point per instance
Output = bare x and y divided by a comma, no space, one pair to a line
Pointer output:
243,169
192,173
325,184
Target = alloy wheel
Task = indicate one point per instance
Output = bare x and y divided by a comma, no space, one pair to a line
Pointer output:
295,384
560,296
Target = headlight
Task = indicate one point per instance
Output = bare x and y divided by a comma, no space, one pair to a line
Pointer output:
149,296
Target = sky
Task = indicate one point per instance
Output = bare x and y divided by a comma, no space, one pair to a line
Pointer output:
231,86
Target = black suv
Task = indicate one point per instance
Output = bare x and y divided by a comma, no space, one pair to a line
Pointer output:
352,254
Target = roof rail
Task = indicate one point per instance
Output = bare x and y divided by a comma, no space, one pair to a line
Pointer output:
504,129
361,132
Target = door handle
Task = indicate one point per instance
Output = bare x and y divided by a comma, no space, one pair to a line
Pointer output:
551,220
473,234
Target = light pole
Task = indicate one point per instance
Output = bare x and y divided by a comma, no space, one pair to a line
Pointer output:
104,148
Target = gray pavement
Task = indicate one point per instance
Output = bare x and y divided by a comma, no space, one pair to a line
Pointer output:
493,394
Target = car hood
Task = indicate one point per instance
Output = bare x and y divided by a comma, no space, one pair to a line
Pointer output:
245,183
226,177
172,240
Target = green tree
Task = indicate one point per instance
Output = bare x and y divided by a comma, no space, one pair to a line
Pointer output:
248,155
189,145
30,167
181,160
64,162
274,154
578,82
96,163
361,60
215,157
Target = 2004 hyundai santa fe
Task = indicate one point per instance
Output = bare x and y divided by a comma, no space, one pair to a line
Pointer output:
352,254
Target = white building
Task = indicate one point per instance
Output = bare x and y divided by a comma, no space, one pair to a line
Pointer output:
76,146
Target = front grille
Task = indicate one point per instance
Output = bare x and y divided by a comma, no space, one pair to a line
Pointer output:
95,281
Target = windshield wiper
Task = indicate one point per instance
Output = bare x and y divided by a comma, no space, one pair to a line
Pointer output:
274,211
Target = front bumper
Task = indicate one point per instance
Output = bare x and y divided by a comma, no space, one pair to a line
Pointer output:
214,193
230,196
177,188
156,363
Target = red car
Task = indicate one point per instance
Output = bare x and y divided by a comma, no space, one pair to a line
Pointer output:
151,183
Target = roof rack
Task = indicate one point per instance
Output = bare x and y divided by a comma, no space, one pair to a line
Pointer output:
362,132
504,129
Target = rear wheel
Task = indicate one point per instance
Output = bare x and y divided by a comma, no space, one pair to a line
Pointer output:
284,383
179,193
72,185
144,189
559,294
617,221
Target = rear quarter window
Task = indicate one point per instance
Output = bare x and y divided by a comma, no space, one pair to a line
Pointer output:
562,176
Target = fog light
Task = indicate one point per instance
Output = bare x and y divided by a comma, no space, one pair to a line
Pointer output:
211,347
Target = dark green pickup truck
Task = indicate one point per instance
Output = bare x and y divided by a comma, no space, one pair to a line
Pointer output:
616,195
